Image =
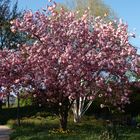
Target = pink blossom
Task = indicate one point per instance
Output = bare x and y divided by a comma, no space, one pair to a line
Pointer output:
66,51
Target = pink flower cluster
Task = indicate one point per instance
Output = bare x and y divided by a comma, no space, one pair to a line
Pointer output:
69,54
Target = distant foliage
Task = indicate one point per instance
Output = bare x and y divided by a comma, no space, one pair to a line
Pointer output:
95,7
9,39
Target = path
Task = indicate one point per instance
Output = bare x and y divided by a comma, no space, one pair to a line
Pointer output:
4,132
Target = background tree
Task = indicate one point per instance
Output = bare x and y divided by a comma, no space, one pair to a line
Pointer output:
95,8
9,39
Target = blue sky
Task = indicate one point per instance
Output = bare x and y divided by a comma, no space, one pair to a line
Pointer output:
128,10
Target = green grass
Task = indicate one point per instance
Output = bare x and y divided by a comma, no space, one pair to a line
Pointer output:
37,124
41,127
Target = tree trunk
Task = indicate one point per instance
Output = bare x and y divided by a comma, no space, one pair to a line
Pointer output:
63,120
8,100
77,118
63,113
0,104
79,108
18,109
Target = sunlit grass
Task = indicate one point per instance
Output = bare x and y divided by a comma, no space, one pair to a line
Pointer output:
47,128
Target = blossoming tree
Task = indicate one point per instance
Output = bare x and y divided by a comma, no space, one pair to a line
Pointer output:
72,58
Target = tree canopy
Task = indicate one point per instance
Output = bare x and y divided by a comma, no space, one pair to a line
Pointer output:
71,58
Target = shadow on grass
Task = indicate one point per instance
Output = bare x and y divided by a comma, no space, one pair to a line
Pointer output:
26,111
40,128
128,133
48,128
41,124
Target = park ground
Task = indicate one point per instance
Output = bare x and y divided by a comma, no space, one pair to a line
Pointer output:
43,125
5,131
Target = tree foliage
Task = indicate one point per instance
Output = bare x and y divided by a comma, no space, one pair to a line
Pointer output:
7,38
95,8
71,58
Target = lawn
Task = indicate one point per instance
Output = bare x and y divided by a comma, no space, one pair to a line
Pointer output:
42,126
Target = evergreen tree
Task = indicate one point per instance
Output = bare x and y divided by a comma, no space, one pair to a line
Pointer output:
9,39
